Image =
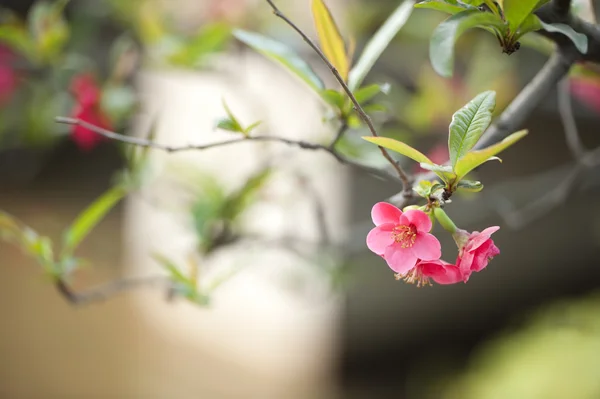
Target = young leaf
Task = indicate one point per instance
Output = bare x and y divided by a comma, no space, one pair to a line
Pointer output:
330,38
240,200
443,171
450,7
469,185
366,93
475,158
400,147
281,53
90,217
378,44
441,46
517,11
334,98
579,39
469,123
230,123
252,126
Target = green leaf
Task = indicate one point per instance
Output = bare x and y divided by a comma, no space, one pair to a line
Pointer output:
367,93
175,274
531,23
211,39
239,201
281,53
450,7
330,38
444,172
251,127
230,123
399,147
89,218
17,38
475,158
334,98
469,123
379,43
48,27
470,185
579,39
517,11
441,46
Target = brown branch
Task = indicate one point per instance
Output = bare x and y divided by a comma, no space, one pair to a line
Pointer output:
339,134
519,218
513,117
406,181
169,148
108,290
565,109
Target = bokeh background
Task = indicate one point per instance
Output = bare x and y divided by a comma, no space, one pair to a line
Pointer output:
329,323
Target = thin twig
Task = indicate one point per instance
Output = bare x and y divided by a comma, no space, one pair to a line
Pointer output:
406,181
339,134
565,109
557,196
108,290
169,148
513,117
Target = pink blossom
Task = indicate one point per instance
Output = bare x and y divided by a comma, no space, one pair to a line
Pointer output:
587,90
87,108
475,250
438,270
402,238
8,76
438,154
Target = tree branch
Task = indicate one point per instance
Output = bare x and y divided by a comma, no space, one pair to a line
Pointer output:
561,7
169,148
406,181
565,110
108,290
513,117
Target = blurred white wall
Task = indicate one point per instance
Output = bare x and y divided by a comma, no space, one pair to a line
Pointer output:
275,321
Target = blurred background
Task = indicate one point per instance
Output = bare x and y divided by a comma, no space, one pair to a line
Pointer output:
273,293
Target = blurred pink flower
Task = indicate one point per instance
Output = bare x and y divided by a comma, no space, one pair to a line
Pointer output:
586,90
87,108
438,154
8,76
475,250
402,238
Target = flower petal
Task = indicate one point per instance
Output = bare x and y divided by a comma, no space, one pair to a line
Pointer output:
380,237
479,238
441,273
399,259
426,247
383,212
417,218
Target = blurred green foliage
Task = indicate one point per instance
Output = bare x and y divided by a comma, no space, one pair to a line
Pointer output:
554,356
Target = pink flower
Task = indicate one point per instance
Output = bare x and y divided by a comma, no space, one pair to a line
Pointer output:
587,90
8,76
440,271
402,238
87,95
475,250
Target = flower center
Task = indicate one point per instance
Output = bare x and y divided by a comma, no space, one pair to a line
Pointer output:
404,235
414,276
